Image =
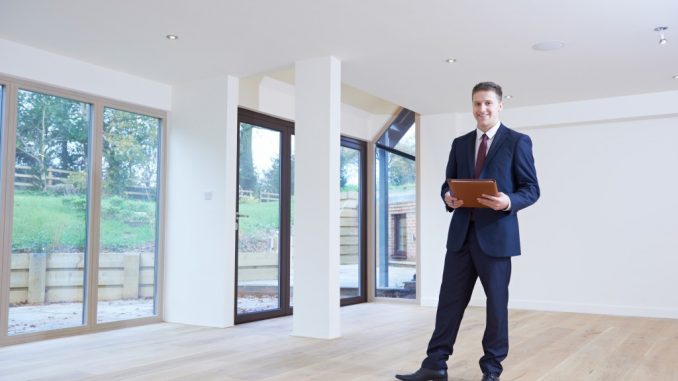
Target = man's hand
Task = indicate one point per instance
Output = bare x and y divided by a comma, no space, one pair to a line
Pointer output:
500,202
452,201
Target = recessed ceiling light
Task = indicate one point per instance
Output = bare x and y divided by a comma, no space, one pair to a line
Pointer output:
675,76
172,37
661,29
548,45
507,97
451,60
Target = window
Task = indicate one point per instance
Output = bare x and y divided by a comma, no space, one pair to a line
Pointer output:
400,236
84,249
396,255
48,273
128,221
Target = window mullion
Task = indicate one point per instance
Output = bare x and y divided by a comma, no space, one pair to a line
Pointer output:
94,211
8,148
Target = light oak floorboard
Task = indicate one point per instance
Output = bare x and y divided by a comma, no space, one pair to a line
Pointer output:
378,340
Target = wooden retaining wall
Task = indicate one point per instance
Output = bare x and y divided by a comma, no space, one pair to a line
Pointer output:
38,278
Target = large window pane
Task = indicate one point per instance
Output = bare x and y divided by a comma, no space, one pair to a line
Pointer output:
396,262
129,207
259,220
50,212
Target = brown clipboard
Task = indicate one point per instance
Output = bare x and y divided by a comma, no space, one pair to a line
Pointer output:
470,190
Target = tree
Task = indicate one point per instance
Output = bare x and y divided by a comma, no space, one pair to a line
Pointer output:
130,151
51,133
349,165
270,178
401,170
248,177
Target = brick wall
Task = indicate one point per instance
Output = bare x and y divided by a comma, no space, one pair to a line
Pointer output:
409,209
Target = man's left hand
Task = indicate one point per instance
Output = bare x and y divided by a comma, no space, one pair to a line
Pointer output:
500,202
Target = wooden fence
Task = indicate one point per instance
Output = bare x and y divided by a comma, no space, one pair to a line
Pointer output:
38,278
263,196
23,179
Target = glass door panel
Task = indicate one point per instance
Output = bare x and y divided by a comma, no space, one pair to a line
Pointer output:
129,210
259,216
48,272
350,222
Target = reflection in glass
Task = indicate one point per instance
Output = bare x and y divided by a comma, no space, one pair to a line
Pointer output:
129,209
259,220
50,209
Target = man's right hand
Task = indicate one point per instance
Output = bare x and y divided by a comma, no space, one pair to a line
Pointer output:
452,201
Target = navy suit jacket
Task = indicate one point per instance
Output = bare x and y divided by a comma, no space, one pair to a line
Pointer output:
510,162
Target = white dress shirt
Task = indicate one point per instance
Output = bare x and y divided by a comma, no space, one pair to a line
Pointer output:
490,138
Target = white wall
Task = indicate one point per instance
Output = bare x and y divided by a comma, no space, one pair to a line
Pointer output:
200,222
436,133
274,97
602,237
38,65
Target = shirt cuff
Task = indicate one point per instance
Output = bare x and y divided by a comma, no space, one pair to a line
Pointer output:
509,205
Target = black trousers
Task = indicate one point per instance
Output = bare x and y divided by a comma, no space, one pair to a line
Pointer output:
461,270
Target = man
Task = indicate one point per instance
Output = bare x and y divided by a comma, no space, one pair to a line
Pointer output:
481,241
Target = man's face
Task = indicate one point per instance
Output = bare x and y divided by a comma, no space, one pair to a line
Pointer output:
486,107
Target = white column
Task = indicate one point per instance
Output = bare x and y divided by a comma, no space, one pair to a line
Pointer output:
316,210
201,195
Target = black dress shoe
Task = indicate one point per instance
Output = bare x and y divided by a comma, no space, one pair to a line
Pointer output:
424,374
490,377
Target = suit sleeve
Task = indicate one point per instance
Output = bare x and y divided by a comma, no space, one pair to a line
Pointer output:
450,173
524,176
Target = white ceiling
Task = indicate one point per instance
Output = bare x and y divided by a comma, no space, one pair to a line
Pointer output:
393,49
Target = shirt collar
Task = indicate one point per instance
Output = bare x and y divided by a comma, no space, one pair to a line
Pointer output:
490,133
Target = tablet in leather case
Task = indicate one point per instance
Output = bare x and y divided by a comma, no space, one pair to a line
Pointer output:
470,190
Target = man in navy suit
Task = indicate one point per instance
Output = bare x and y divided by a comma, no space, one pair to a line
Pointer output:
481,241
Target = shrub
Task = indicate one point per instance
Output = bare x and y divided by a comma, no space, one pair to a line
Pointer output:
78,203
112,207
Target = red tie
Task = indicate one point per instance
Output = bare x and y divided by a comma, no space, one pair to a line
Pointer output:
482,152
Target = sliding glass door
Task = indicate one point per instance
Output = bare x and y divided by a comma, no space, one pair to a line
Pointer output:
80,212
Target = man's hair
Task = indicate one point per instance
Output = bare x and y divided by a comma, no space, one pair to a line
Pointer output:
488,86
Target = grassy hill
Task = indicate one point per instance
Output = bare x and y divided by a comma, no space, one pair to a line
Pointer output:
54,223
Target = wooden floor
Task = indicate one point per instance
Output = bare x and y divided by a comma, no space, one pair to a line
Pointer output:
378,341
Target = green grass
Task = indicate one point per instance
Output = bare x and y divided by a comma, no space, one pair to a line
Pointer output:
53,223
261,217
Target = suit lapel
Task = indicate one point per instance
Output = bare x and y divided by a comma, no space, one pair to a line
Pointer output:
499,140
471,148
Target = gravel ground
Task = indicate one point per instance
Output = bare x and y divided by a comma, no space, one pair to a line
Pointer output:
36,318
